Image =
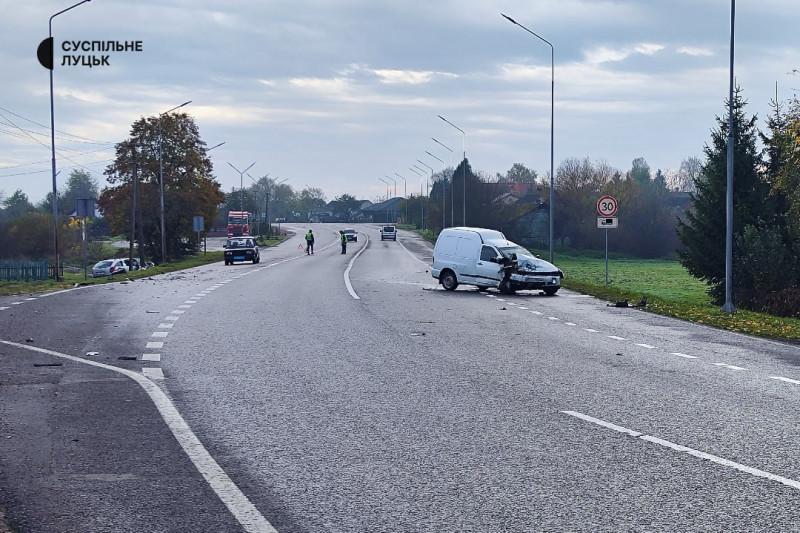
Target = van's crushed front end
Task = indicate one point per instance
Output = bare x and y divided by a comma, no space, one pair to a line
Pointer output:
531,273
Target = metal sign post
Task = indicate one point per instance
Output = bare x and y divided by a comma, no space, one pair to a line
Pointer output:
607,208
198,223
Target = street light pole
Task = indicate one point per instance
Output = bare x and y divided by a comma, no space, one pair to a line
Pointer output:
729,307
421,201
241,183
405,194
53,140
387,192
161,178
464,168
552,120
452,205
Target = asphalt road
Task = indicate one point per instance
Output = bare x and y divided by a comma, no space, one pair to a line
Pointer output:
350,393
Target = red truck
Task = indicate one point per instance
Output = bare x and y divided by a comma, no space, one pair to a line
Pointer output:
238,223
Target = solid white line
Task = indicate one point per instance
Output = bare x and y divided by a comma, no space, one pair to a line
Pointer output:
409,253
350,266
242,509
787,380
679,354
683,449
603,423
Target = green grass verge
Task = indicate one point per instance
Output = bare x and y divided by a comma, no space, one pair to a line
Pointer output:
670,291
73,279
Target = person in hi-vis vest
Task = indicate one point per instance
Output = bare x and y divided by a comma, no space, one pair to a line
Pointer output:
309,242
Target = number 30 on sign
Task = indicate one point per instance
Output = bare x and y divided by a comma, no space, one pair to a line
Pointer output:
607,206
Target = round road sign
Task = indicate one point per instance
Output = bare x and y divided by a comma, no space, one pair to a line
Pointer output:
607,206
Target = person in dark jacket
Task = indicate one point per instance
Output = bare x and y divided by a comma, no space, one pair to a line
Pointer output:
343,238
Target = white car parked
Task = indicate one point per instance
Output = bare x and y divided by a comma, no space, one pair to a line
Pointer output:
486,259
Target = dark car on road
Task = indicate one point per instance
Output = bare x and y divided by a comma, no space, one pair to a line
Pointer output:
351,235
241,249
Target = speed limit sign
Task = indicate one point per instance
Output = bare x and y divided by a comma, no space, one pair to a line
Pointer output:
607,206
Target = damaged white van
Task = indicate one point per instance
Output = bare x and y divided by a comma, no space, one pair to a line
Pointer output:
486,259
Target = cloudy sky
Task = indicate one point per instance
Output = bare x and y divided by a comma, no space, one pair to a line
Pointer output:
336,94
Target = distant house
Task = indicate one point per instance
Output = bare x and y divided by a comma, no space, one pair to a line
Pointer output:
386,211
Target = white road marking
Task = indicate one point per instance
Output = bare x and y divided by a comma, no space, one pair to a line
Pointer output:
184,306
154,345
617,338
234,499
590,330
17,303
552,318
178,311
153,373
523,307
164,325
30,299
161,334
4,308
536,313
685,356
190,302
648,346
570,323
696,453
730,367
787,380
151,357
350,266
172,317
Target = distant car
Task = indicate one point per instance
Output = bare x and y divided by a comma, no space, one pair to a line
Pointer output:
351,235
241,249
388,232
109,267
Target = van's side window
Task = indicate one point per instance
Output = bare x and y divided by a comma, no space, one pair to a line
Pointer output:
488,253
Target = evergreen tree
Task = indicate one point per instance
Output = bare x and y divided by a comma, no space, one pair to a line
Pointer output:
703,231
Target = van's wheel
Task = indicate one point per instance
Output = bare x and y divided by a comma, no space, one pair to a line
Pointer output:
550,291
481,288
448,280
505,287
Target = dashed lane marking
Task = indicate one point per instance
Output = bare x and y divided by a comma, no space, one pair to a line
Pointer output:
685,356
787,380
683,449
153,345
730,367
161,334
153,373
151,357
